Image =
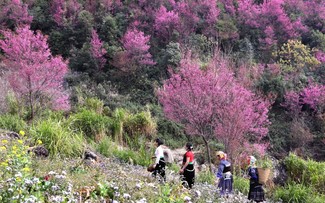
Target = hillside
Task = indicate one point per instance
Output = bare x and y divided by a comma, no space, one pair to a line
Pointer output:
245,77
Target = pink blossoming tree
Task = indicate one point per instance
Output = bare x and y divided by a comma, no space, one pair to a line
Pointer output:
271,19
136,53
165,23
14,12
34,73
65,11
211,104
312,95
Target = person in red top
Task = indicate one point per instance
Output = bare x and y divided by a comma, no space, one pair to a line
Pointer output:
188,167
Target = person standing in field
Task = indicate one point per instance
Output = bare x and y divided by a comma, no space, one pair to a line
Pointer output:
159,166
187,169
224,178
256,191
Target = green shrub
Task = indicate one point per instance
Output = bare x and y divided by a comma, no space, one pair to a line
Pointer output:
241,184
205,177
58,138
171,194
91,124
140,123
12,122
13,105
141,157
19,185
298,193
106,147
119,117
94,104
265,162
307,172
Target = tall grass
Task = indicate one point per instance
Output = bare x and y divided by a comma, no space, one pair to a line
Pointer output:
94,104
307,172
58,137
106,147
241,184
140,123
12,122
91,124
205,177
133,157
298,193
119,118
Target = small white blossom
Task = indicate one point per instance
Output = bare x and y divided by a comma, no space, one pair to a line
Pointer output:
60,176
138,185
55,188
19,175
52,173
126,196
143,200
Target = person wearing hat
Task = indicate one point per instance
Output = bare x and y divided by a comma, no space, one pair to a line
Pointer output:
187,168
256,192
224,177
159,166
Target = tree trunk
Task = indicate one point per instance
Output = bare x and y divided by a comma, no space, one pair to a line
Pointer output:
31,99
209,153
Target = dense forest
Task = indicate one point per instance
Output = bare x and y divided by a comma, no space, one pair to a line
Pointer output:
242,76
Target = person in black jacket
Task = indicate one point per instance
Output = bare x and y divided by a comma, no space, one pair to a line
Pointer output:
256,191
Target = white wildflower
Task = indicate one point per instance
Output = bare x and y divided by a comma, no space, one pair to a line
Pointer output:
143,200
126,196
51,173
19,175
138,185
55,188
60,176
31,199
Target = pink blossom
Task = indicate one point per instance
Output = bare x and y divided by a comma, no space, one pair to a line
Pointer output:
34,71
97,50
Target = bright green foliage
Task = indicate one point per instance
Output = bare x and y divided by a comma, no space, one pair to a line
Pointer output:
13,105
15,167
142,158
103,190
140,124
12,122
119,118
298,193
58,137
105,147
91,124
205,177
19,185
171,194
306,172
241,184
94,104
139,156
295,56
